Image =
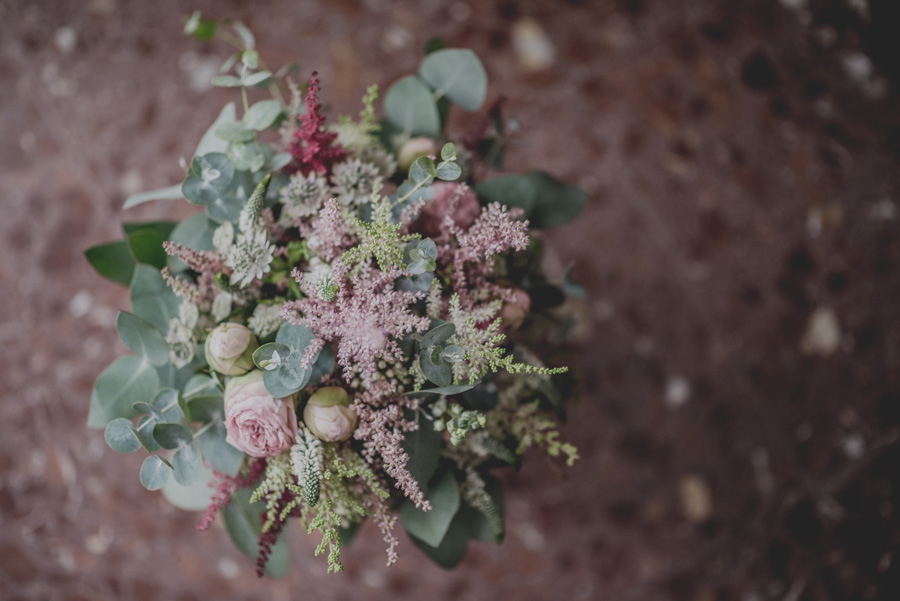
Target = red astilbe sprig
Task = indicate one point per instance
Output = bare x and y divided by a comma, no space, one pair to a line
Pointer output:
312,147
268,538
225,486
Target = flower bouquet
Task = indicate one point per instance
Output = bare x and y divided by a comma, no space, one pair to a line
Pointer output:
347,330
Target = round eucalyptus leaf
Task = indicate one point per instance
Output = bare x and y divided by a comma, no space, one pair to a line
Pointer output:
127,380
247,157
271,356
142,338
416,283
169,405
448,152
154,473
186,463
235,132
151,297
457,74
121,437
436,371
208,178
172,436
262,114
438,335
422,170
448,171
409,104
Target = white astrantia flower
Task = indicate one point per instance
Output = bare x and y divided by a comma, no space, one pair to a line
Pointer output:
223,238
221,306
353,182
250,257
302,197
265,319
383,160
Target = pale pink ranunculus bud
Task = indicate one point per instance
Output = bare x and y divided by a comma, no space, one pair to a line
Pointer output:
516,310
229,349
328,414
257,423
466,212
413,149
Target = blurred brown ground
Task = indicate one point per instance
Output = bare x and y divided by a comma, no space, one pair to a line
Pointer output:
741,391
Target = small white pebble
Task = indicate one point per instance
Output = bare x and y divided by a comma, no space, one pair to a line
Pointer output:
532,46
228,568
696,500
678,391
80,304
853,446
823,333
65,39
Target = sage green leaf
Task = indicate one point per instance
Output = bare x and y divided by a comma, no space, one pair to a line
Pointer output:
453,546
245,34
438,335
195,497
216,450
247,157
235,132
457,74
167,193
164,228
196,233
290,377
269,357
169,405
176,377
226,81
154,473
207,407
262,114
422,171
152,299
242,521
256,78
423,447
510,190
186,464
112,260
142,338
210,142
410,105
324,365
250,58
556,203
172,436
448,171
278,162
121,437
208,178
200,385
128,380
448,152
434,368
431,526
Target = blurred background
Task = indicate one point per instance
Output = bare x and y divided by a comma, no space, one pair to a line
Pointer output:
740,376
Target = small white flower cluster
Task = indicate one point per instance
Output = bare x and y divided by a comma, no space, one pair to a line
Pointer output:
265,319
250,254
181,337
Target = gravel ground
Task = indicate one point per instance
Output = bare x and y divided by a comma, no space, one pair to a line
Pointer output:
740,408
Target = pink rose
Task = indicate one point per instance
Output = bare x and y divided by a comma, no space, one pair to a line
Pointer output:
467,209
257,423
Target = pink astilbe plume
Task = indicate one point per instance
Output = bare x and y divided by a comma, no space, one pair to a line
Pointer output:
495,231
312,147
366,318
206,263
330,235
381,427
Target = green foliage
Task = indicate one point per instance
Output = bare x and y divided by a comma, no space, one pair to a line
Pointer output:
423,447
154,472
152,299
462,422
167,193
196,233
142,338
262,114
410,106
127,380
532,427
242,521
431,526
194,497
289,377
208,177
112,260
457,74
453,545
210,142
380,239
420,256
546,201
121,437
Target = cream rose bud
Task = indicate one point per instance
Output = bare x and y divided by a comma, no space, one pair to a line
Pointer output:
413,149
229,349
328,414
256,422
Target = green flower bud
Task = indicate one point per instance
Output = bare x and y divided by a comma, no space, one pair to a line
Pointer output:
328,414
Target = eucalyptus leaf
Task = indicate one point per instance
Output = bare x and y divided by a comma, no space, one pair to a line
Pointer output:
121,437
164,228
206,407
438,335
226,81
453,546
200,385
128,380
172,436
169,405
210,142
323,366
416,283
277,162
112,260
448,171
256,78
167,193
245,34
448,152
422,170
208,178
142,338
458,74
152,299
410,105
247,157
557,203
431,526
176,377
154,473
235,132
271,356
510,190
262,114
186,463
216,450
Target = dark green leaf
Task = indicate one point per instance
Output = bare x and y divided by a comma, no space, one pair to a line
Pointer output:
154,473
242,521
457,74
128,380
121,437
142,338
410,105
453,546
423,447
163,227
172,436
556,203
112,260
146,247
431,526
510,190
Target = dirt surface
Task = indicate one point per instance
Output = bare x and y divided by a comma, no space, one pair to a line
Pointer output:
741,381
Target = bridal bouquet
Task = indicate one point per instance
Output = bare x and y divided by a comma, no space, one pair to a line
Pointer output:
353,327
